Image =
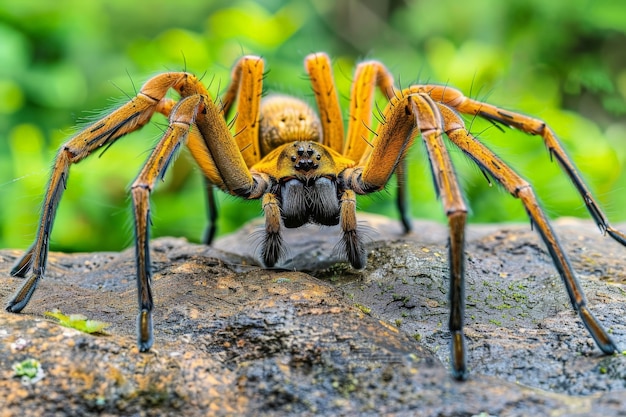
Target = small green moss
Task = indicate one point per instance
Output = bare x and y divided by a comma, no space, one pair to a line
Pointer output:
29,370
364,309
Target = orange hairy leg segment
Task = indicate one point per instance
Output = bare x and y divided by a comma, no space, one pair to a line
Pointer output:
521,189
393,139
454,99
248,107
319,68
367,77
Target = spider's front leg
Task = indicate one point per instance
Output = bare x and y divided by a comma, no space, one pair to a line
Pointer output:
220,150
405,117
181,119
103,133
246,88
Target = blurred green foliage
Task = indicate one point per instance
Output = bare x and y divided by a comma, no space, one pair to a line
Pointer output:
62,62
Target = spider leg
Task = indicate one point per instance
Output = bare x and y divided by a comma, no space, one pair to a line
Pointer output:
351,241
272,247
249,80
519,188
246,88
212,178
181,119
389,145
224,160
401,197
320,73
127,118
431,127
211,229
368,76
456,100
219,157
403,115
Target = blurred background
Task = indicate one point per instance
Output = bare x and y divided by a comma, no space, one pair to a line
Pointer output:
63,63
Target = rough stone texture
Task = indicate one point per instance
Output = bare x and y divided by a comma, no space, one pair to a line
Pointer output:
232,338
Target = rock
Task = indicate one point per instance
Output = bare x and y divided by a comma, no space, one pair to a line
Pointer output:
234,339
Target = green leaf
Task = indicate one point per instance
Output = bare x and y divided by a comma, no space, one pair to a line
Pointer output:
79,322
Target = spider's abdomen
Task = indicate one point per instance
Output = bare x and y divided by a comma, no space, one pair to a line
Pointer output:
285,119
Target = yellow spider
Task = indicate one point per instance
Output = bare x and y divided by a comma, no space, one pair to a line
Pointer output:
305,171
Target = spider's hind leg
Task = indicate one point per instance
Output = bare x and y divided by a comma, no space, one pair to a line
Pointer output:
455,99
431,126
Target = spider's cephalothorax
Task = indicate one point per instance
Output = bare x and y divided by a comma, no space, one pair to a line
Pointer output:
305,168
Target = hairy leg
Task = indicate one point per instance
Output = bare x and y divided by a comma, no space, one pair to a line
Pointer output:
103,133
519,188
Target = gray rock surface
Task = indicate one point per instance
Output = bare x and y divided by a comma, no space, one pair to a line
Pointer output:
314,337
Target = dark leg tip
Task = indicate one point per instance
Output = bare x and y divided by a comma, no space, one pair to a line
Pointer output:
354,249
13,308
407,224
460,374
458,355
144,330
358,260
145,346
609,348
272,249
209,235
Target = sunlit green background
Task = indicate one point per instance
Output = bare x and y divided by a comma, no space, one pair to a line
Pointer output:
64,62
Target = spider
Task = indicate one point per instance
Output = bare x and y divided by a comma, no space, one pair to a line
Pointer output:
306,170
